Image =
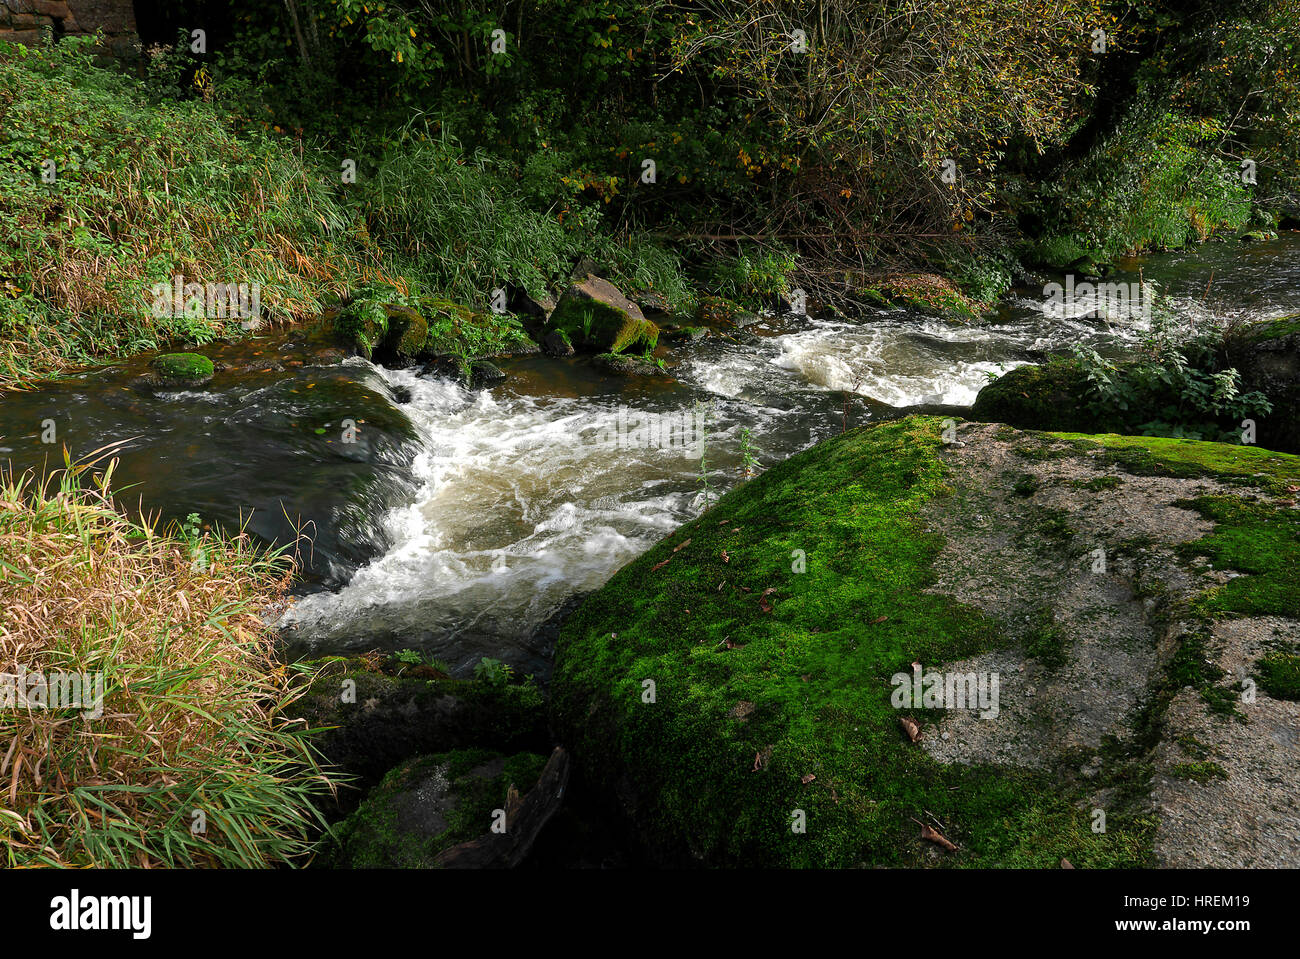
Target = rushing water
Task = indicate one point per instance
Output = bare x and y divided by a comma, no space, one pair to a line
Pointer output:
467,518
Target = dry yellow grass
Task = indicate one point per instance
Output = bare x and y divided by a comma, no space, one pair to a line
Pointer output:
191,731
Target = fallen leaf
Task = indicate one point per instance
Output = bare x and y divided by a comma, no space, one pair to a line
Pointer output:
1066,864
720,585
725,557
682,544
879,619
658,566
807,778
936,837
741,710
910,725
835,796
762,758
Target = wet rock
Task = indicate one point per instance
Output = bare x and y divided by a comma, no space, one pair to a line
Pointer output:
1267,355
483,373
1047,397
370,720
531,310
653,304
687,334
404,338
556,343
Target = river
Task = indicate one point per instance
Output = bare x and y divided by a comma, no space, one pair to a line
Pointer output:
460,521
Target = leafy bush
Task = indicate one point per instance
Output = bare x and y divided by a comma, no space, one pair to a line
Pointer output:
1155,183
1175,386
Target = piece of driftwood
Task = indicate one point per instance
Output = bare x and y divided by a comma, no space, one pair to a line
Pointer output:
525,818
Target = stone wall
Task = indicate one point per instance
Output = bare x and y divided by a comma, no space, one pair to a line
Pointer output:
26,21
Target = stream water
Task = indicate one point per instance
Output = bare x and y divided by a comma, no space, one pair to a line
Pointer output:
460,521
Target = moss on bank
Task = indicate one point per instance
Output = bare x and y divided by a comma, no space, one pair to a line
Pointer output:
1165,456
770,629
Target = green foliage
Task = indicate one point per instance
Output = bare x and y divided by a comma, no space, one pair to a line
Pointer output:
144,189
1156,182
1175,387
754,276
493,671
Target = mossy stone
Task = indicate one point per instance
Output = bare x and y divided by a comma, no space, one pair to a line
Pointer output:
594,315
1046,397
181,370
429,804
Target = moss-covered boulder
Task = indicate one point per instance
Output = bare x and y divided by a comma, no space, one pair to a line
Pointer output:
368,717
1047,397
1267,354
181,371
429,804
594,315
1085,608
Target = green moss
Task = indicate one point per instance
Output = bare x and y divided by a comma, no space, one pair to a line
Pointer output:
1161,456
1256,539
1047,642
718,615
1272,329
1201,772
592,324
182,369
1098,483
1279,674
1192,667
1044,397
